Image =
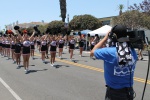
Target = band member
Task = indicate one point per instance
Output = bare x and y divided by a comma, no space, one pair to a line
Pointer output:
17,51
7,43
32,47
61,42
13,48
53,46
81,44
71,46
92,44
26,49
3,47
47,49
38,43
43,47
66,41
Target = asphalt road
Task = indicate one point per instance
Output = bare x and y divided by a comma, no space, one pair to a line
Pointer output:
79,80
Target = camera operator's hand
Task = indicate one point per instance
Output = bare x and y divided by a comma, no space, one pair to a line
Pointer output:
91,54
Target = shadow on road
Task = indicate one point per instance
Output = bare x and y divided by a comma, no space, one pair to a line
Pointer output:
58,66
32,71
35,58
46,62
143,60
76,61
63,58
85,56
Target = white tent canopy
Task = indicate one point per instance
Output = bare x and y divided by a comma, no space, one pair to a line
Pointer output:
101,31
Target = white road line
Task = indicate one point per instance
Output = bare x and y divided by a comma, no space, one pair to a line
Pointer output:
10,90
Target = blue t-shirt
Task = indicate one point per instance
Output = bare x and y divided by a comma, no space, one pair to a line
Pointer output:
116,76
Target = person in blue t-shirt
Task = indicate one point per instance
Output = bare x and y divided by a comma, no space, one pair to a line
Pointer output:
119,63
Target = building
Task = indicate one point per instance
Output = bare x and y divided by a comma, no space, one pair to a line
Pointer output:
24,25
107,20
31,24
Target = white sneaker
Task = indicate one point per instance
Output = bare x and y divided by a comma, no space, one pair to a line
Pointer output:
52,65
71,59
18,67
26,72
43,61
14,62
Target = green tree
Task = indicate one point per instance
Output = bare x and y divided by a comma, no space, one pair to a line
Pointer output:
82,22
63,9
30,30
121,7
42,28
144,8
132,19
55,26
147,22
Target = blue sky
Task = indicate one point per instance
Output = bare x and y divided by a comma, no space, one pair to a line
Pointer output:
49,10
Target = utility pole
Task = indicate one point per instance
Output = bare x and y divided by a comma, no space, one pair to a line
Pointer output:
127,4
68,18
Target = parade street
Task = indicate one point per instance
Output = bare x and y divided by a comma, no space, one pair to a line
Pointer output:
80,79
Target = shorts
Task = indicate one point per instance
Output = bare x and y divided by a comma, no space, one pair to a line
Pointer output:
12,46
92,46
71,46
53,49
61,46
38,42
0,44
32,47
3,45
81,44
140,46
26,50
43,47
18,51
8,46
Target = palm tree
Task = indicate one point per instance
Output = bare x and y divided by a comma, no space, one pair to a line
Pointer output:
63,9
121,7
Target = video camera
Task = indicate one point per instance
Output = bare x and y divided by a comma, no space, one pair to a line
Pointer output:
137,38
121,33
136,35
